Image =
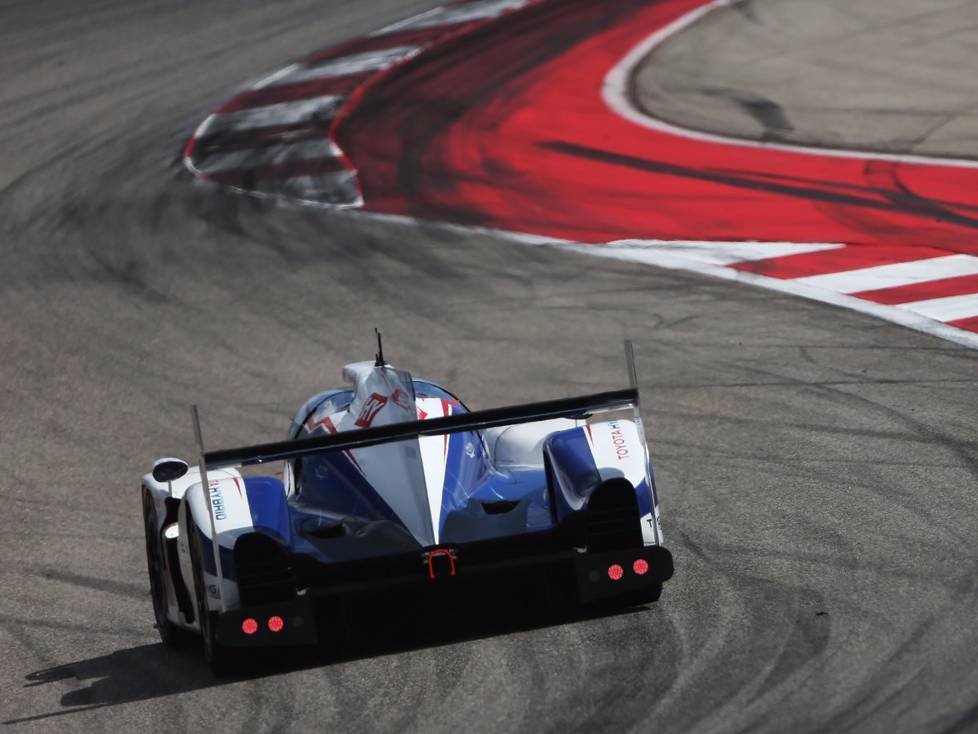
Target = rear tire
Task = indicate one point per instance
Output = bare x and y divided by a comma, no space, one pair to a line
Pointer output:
221,659
171,635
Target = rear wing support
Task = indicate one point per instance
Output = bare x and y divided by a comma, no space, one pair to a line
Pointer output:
206,486
637,418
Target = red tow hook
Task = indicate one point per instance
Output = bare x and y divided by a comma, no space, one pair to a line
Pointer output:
430,556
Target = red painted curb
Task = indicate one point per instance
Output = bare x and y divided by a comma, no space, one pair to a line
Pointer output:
507,128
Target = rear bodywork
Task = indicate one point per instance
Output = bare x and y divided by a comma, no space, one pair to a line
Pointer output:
392,486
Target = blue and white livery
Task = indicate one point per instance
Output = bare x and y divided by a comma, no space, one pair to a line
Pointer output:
392,485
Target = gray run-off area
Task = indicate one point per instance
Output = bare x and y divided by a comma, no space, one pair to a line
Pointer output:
893,76
818,468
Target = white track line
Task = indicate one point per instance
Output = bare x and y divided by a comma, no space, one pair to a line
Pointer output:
272,78
269,156
950,308
347,65
283,113
717,253
453,15
405,22
616,93
919,321
895,274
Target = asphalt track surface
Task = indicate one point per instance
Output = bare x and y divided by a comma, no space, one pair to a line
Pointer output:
818,468
889,77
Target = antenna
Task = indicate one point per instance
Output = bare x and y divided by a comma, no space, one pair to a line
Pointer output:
380,350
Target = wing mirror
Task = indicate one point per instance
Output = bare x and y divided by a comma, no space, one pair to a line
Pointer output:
169,470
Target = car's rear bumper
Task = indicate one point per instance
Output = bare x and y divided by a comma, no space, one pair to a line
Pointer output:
588,578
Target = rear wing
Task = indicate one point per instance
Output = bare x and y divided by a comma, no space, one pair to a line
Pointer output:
578,407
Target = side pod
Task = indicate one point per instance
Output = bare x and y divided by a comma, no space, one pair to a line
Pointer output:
609,457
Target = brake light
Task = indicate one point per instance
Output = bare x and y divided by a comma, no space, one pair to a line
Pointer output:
640,567
249,626
615,572
276,623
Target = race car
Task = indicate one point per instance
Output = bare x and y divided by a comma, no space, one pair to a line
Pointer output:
392,486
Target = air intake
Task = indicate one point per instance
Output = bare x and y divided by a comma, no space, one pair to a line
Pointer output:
612,521
263,568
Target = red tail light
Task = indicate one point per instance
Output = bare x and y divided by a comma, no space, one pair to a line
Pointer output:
615,572
276,623
249,626
640,567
